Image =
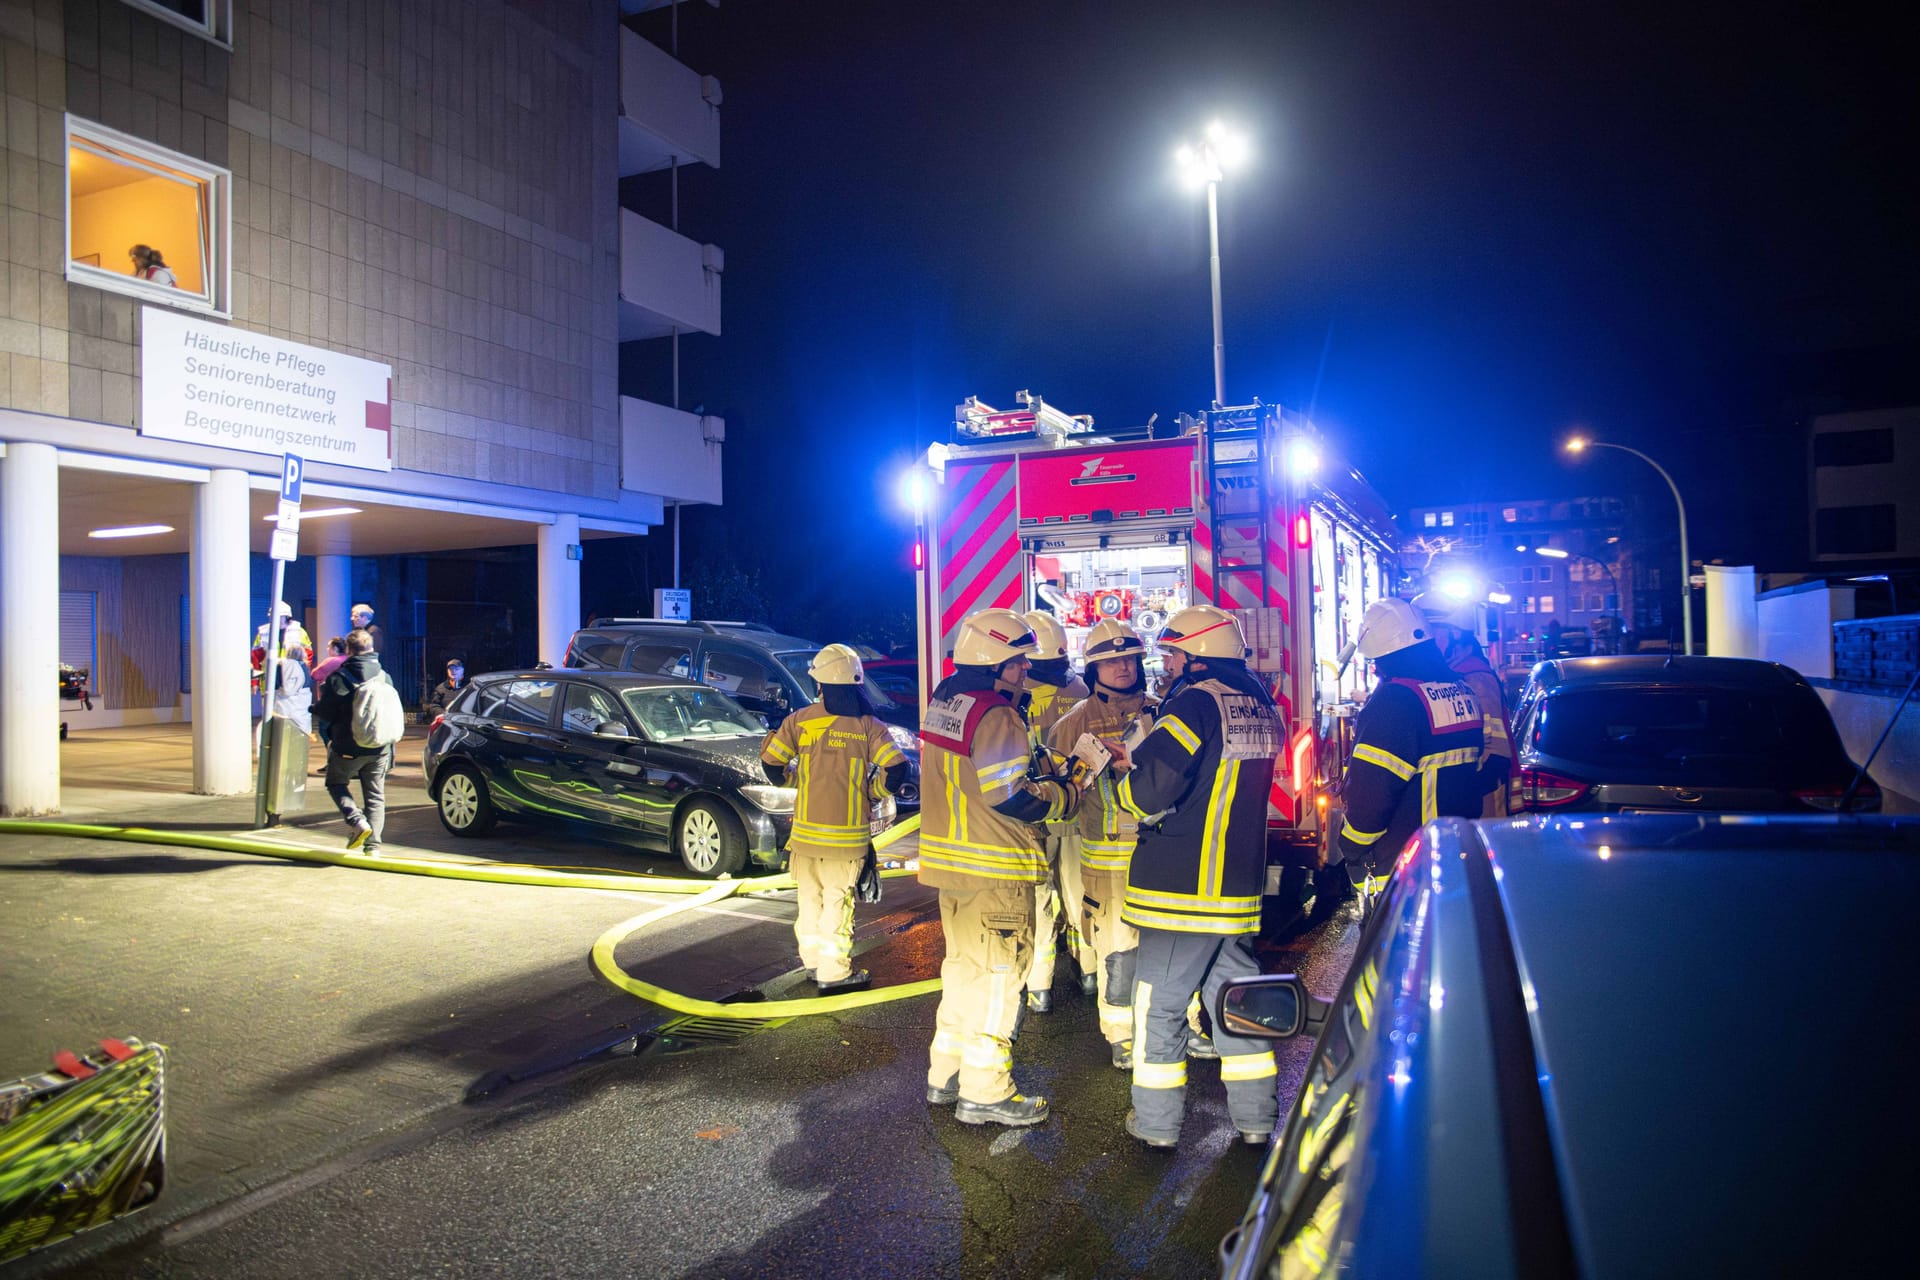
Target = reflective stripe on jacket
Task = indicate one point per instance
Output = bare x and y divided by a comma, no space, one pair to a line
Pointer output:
1206,766
830,758
979,806
1416,756
1107,831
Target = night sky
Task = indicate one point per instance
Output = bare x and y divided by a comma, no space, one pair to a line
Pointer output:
1467,228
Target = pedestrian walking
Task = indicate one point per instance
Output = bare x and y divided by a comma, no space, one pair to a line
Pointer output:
364,720
982,845
1416,743
1052,690
1101,839
842,762
1198,787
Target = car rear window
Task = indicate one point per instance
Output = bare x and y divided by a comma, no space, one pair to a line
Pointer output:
1700,735
796,664
660,658
598,651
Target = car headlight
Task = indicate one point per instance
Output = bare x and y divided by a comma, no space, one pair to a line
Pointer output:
772,799
903,739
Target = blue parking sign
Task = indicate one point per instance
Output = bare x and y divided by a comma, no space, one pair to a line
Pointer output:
291,468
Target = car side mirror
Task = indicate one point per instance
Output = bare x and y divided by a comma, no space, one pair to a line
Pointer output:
1273,1006
611,729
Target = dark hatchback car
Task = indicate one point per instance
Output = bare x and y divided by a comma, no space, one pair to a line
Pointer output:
1651,734
1548,1060
763,670
659,762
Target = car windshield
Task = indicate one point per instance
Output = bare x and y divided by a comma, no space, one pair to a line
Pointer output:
1699,735
684,712
796,665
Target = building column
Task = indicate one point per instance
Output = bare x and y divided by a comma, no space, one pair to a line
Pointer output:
332,599
30,630
559,586
217,605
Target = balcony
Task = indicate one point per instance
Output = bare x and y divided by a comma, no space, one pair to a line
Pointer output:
670,452
667,111
666,281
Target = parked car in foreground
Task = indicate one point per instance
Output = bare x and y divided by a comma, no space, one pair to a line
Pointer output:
653,760
763,670
1639,734
1577,1046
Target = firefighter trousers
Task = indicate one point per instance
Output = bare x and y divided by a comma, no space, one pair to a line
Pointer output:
989,937
1172,967
1072,905
1046,921
824,928
1103,893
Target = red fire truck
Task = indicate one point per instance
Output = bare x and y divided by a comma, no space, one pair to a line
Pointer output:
1238,507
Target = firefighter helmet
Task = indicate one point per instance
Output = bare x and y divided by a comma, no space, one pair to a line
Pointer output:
1112,638
991,637
1050,638
1202,631
1441,610
837,664
1389,626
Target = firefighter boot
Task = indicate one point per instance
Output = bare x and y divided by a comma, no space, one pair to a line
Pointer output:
1158,1144
1015,1112
944,1095
858,980
1122,1051
1040,1001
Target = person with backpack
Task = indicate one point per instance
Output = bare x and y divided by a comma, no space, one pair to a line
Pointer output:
364,719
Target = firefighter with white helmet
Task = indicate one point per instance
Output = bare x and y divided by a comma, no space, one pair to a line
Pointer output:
1052,690
1416,743
841,761
983,846
1198,787
294,642
1452,624
1103,834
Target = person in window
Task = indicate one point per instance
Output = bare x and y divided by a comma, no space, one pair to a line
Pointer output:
149,265
449,689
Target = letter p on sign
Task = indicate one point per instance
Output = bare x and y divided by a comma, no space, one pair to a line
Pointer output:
290,468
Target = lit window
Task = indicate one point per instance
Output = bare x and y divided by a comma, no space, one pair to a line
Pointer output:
1510,514
1546,604
210,18
146,221
1446,519
1532,605
1430,520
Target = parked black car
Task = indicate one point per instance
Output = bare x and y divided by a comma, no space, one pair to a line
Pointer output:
658,761
763,670
1651,734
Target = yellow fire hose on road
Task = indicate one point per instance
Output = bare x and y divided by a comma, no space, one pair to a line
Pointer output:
702,893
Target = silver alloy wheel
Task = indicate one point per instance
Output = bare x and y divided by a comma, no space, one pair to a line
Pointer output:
700,839
459,801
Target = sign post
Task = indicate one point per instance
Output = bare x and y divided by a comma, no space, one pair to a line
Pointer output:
286,546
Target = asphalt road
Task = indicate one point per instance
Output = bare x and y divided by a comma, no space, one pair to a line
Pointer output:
800,1149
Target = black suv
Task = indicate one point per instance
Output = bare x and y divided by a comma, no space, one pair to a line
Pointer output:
758,667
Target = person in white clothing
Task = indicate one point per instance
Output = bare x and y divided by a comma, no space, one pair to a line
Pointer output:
149,265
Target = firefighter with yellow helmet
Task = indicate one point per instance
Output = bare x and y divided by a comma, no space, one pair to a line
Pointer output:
1416,743
841,762
983,846
1103,834
1198,787
1052,689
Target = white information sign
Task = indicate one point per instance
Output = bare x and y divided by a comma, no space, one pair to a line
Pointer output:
212,384
286,545
673,602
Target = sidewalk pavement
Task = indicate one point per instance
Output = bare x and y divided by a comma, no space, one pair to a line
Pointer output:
311,1008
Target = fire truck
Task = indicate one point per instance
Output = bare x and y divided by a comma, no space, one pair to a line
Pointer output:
1240,507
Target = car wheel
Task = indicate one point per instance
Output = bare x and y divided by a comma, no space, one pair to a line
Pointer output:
465,807
709,840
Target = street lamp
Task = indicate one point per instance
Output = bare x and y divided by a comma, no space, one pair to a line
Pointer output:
1578,445
1557,553
1206,162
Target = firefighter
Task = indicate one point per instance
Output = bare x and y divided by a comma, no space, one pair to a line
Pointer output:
983,846
1452,624
1052,690
842,762
1416,743
1101,842
1198,786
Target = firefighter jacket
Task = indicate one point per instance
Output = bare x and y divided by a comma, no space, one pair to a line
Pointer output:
1046,703
1416,755
830,759
1496,761
1106,829
1205,769
980,805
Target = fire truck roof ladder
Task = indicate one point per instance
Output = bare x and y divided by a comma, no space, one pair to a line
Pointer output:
975,420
